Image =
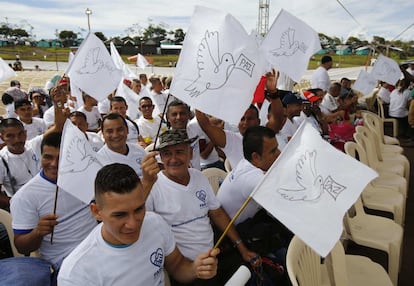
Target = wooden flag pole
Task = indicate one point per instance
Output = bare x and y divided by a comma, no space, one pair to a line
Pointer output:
54,211
162,118
226,230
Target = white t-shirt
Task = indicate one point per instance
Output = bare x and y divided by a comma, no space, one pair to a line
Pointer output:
384,94
133,132
234,147
36,199
104,106
37,127
328,104
148,128
237,187
49,115
95,262
320,79
23,167
133,159
185,209
96,141
92,117
196,130
288,129
399,103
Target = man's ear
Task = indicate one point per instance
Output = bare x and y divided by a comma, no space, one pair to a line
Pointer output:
255,158
95,211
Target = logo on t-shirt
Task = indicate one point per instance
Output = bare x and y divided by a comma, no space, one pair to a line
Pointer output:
157,259
202,196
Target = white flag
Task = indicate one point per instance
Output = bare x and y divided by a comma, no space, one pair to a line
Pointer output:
78,164
6,72
92,69
131,98
365,82
142,61
219,66
386,69
289,44
119,63
309,193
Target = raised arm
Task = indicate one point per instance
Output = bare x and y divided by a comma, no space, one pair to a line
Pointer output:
216,134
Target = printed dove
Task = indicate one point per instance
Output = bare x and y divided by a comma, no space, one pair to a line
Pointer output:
77,159
213,69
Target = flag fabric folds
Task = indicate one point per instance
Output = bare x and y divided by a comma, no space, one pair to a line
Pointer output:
309,191
93,70
365,83
386,69
119,63
6,72
289,44
219,66
78,164
142,61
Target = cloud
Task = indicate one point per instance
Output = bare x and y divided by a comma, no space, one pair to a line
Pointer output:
376,17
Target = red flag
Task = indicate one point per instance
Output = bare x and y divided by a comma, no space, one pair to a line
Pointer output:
259,93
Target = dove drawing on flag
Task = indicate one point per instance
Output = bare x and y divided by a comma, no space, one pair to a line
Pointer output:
311,185
77,158
288,44
92,63
213,69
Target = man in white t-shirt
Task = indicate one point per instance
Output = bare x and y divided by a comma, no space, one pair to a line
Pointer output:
90,109
119,105
320,78
34,126
32,211
158,97
260,151
116,148
186,201
135,245
147,124
293,104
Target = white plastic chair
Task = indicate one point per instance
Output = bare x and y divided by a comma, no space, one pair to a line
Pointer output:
378,233
6,220
395,162
383,198
374,122
385,178
356,270
215,176
304,265
393,121
227,165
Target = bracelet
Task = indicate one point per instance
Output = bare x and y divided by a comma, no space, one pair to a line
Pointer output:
272,95
237,242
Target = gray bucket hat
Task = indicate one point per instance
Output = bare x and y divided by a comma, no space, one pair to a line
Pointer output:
174,137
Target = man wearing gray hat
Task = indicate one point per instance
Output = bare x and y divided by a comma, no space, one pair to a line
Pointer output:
186,201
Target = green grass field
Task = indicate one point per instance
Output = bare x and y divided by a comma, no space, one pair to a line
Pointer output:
61,54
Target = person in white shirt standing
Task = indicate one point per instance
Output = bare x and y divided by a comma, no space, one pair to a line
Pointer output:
320,78
34,126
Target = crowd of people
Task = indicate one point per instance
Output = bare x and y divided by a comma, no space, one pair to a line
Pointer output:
154,211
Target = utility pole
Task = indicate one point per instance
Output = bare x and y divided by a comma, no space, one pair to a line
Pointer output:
263,23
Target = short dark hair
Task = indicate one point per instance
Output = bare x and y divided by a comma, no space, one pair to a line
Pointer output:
326,59
52,139
14,83
177,102
255,110
118,99
10,122
7,99
117,178
145,98
21,102
113,116
78,114
253,140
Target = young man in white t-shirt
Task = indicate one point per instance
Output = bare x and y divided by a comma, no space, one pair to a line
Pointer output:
135,245
32,211
34,126
117,149
90,109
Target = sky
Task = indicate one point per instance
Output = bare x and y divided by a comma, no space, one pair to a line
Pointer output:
382,18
